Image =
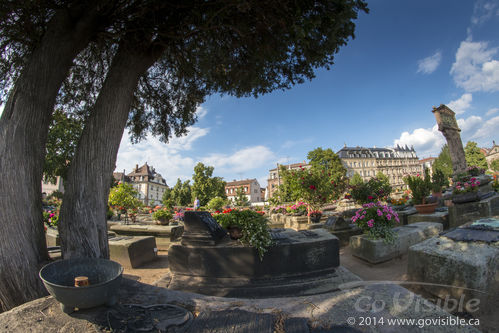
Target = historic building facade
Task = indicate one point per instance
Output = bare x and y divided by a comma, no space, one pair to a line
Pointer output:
150,184
492,153
395,163
251,188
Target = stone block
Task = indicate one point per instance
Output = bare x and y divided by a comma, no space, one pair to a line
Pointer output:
456,269
52,237
376,251
132,251
437,217
165,234
460,214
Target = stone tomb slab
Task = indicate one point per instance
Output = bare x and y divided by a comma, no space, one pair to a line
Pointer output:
437,217
132,251
164,234
460,214
467,268
376,251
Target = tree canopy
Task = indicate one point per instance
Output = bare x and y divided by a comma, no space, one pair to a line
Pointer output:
474,157
205,186
179,195
443,162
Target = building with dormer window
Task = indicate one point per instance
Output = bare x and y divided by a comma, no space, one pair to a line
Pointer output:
150,184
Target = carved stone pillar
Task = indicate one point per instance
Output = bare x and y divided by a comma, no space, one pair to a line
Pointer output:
447,124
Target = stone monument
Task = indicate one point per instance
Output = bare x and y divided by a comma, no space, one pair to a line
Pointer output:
298,263
447,124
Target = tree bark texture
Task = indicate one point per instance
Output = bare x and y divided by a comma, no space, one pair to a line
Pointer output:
23,133
83,223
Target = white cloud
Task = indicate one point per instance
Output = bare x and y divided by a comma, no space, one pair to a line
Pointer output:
1,109
429,64
242,160
492,111
462,104
487,131
426,141
165,158
483,11
474,68
201,112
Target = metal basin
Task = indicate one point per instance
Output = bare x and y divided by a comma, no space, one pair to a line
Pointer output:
104,277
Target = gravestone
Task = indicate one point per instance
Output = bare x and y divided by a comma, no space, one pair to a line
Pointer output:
462,263
201,229
298,262
447,124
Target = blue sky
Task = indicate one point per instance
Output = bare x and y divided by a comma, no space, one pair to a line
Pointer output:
407,57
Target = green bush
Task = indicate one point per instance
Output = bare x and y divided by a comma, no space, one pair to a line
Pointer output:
216,203
162,215
376,189
254,227
420,187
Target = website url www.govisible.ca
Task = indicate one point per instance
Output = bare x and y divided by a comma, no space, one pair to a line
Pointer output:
420,322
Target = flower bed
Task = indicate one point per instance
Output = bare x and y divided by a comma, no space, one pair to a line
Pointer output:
376,221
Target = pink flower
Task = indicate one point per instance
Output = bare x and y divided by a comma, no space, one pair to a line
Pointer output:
370,223
370,197
388,217
478,182
380,213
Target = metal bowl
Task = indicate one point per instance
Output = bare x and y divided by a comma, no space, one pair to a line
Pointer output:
104,277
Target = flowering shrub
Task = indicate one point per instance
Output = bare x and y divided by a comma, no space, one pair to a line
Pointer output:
162,215
51,218
314,212
475,171
374,189
399,201
279,210
300,208
179,216
495,183
316,186
467,186
376,221
254,228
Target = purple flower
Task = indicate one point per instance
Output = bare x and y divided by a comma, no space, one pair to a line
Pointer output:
389,217
380,213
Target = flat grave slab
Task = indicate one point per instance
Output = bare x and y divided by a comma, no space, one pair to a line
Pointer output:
463,262
376,251
132,251
164,234
460,214
437,217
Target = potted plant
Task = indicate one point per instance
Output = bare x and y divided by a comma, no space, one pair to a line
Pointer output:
439,181
315,216
466,191
377,221
162,216
298,209
248,227
420,188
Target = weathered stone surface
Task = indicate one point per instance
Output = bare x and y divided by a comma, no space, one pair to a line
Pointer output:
460,214
336,223
301,222
52,237
327,312
457,269
132,251
202,229
437,217
298,263
164,234
376,251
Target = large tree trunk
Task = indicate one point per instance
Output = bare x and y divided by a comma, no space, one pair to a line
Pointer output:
23,132
83,223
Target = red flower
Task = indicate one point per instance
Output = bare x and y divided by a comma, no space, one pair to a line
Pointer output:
370,197
312,187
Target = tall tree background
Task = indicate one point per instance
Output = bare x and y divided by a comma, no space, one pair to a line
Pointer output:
142,64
